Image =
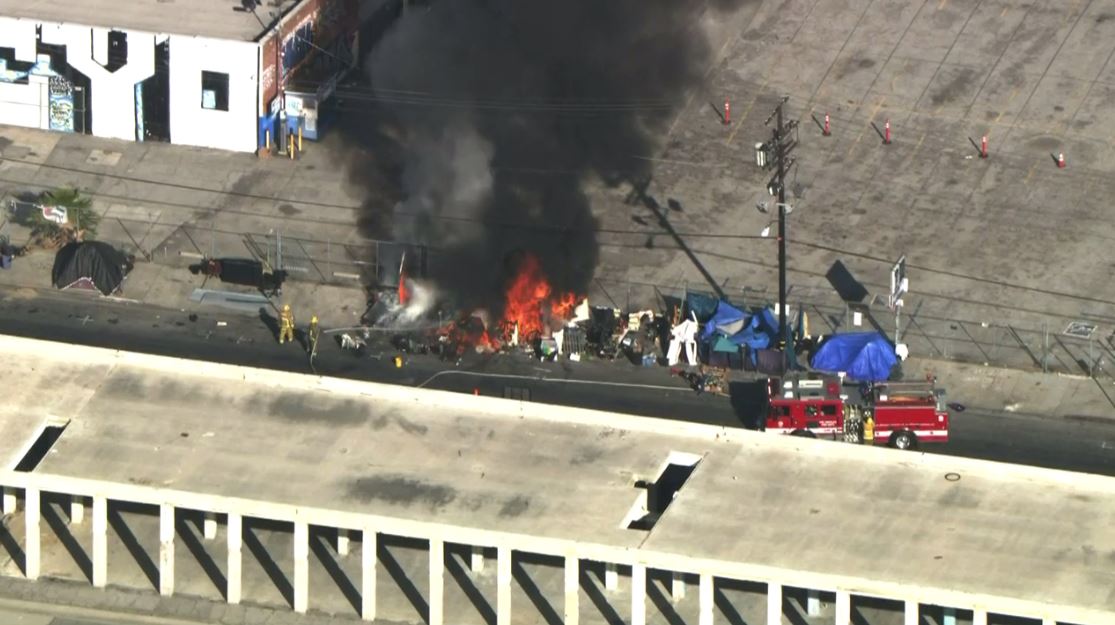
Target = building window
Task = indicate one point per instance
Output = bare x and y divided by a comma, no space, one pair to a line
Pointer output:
214,91
117,50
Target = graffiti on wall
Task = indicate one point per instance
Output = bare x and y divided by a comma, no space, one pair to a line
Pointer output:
61,104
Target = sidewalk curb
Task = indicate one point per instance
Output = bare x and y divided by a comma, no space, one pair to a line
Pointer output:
70,610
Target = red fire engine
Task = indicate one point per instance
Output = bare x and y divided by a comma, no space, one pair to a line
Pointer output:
900,414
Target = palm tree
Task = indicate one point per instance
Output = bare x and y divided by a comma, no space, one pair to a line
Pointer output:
81,218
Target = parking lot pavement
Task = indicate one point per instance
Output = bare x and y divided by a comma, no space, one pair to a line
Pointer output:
1007,242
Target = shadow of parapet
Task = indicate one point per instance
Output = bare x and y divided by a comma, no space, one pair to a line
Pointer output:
726,608
252,542
12,546
660,596
873,603
536,597
589,573
131,543
320,539
65,536
459,573
188,532
391,565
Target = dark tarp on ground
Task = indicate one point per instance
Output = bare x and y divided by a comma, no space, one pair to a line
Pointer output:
863,356
92,263
249,272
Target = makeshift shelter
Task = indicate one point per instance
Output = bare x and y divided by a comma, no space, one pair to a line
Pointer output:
90,265
754,335
727,320
701,306
863,356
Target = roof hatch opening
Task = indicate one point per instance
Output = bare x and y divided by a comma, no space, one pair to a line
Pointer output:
654,497
39,449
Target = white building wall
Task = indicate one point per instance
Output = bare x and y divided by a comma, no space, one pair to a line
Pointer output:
190,123
18,34
22,105
112,100
25,105
113,93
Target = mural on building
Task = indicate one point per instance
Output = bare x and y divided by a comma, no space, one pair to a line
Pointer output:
61,113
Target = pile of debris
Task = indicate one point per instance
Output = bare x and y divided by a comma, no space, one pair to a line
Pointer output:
709,335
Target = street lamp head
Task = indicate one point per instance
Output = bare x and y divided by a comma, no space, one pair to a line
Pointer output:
789,208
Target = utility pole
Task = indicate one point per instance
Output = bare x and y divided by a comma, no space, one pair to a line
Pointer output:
782,144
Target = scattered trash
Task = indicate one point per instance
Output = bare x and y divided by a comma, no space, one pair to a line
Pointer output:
957,407
220,324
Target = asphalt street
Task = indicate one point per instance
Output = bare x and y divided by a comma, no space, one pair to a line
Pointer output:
236,338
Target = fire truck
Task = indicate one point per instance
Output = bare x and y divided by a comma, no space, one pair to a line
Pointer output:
899,414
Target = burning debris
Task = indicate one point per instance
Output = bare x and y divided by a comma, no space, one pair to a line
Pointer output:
491,119
531,315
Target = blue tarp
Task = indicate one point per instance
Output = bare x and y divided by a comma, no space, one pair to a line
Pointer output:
864,356
726,321
756,330
752,335
768,322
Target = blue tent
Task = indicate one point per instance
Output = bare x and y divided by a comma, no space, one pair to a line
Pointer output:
752,335
727,321
864,356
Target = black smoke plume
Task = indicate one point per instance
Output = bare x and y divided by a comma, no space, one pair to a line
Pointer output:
487,120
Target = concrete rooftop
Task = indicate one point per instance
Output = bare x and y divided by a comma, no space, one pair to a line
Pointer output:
873,520
219,19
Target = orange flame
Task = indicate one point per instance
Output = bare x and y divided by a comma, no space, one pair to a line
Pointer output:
404,295
530,303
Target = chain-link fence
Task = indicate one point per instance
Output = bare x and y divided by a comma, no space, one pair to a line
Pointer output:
1057,345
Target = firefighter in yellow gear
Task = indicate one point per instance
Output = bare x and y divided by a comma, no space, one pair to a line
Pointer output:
286,325
869,429
313,334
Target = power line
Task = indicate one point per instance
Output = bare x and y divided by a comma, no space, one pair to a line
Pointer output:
436,217
480,222
518,107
